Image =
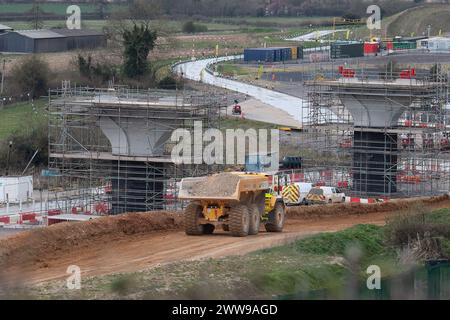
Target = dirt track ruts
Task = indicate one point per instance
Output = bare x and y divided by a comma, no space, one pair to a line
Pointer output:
126,249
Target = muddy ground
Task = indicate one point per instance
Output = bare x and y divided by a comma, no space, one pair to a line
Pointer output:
139,241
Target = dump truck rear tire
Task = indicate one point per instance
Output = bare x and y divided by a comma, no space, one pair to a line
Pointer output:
239,221
276,218
192,215
255,219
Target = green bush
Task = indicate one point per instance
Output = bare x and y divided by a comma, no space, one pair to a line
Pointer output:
191,27
97,71
168,83
415,223
24,145
31,76
138,41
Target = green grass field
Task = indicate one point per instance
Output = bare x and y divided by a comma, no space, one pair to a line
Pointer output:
167,26
55,8
412,22
48,24
18,117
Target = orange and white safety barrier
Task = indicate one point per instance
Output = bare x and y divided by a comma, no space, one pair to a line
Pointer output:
29,217
363,200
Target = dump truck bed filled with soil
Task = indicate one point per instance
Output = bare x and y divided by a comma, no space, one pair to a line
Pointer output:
226,186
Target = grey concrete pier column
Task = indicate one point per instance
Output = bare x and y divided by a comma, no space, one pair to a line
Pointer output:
375,106
375,162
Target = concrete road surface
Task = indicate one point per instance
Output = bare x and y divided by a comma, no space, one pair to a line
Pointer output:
256,110
292,106
316,35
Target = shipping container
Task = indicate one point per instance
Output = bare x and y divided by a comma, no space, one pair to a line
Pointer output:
371,48
390,46
16,189
341,50
405,45
286,54
259,55
300,53
268,54
294,52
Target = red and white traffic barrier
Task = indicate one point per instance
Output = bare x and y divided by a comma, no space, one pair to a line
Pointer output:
363,200
29,217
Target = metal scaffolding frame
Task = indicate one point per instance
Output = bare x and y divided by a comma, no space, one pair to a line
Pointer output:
415,154
88,176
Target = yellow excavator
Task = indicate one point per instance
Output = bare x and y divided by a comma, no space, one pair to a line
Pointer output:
237,202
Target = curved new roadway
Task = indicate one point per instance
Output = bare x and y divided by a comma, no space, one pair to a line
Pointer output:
197,71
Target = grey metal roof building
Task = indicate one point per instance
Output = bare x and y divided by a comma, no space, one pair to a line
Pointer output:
4,28
32,41
82,38
56,40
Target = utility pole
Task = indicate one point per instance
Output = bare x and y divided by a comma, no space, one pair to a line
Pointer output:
36,22
8,158
3,77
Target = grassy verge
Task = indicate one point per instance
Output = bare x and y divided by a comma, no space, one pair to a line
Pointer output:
238,123
16,118
230,69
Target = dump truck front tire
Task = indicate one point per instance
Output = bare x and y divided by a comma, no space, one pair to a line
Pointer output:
208,228
192,215
239,221
255,219
276,218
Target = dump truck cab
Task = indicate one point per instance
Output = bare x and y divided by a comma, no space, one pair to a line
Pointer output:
237,202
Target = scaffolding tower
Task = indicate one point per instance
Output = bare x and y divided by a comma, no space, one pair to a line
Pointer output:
109,149
378,133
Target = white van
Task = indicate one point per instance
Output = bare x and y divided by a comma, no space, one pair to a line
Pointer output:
295,194
324,195
305,188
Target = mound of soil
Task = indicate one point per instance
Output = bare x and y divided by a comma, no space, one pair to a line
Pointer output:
219,185
37,243
305,212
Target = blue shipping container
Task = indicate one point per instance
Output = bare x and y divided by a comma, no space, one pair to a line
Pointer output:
267,54
259,54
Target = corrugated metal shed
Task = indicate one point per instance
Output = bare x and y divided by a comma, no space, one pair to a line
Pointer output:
39,34
82,38
32,41
4,28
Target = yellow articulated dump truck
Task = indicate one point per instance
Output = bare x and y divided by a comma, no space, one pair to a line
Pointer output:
236,201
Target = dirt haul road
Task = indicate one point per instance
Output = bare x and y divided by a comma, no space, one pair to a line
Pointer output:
139,241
